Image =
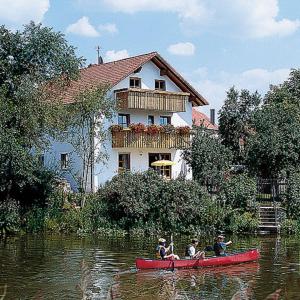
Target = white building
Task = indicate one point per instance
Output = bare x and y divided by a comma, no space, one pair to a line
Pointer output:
150,92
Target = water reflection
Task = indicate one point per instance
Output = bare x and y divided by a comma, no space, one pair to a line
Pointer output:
210,283
69,267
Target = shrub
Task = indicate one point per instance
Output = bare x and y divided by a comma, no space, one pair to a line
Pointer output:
35,219
289,226
292,201
9,216
245,222
239,191
145,200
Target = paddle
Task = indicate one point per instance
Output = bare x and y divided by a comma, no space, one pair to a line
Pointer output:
172,247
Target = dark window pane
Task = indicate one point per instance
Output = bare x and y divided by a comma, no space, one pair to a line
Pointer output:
150,120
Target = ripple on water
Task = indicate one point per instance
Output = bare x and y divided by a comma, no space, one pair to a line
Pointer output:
66,267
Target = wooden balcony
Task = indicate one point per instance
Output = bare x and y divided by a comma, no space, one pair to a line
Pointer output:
152,100
130,139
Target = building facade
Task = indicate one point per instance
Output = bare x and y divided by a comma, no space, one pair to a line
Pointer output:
152,123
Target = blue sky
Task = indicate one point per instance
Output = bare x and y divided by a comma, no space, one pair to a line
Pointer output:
213,43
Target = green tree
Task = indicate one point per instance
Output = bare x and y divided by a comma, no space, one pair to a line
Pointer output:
235,120
88,131
35,65
209,159
274,145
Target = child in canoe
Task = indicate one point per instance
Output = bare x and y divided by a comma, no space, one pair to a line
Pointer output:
191,253
162,250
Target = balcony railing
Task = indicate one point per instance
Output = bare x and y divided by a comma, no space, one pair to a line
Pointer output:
130,139
152,100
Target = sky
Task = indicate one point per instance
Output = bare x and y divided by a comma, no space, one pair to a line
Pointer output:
214,44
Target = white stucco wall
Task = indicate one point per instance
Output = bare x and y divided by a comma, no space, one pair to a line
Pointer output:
139,157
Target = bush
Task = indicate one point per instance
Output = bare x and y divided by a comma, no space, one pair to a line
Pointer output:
239,191
289,226
145,200
9,216
292,201
245,222
35,219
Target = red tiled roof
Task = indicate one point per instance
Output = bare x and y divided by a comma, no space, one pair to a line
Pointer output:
200,118
112,73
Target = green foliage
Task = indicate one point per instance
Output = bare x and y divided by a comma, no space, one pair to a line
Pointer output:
29,61
9,216
209,158
87,131
274,144
145,200
239,191
34,219
292,201
290,226
235,119
243,222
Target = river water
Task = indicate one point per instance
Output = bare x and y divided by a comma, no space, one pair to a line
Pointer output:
72,267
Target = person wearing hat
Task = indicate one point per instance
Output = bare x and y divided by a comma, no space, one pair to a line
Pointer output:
162,250
220,245
190,250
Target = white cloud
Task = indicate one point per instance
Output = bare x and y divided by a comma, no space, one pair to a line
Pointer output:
113,55
187,9
214,90
108,28
23,11
260,18
184,49
83,27
247,18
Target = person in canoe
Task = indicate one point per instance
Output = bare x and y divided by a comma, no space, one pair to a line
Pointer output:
162,250
190,250
220,246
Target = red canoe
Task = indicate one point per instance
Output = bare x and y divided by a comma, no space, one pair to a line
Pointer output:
251,255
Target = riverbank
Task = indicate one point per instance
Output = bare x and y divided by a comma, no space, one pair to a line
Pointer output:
142,204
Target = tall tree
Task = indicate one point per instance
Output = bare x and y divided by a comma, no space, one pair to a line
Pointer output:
209,159
274,145
34,64
89,116
235,120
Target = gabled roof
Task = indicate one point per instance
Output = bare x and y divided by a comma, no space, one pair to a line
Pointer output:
112,73
200,118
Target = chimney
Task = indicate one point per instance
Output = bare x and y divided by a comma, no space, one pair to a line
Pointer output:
212,116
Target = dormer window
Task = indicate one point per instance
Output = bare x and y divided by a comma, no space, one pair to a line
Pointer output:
135,82
160,85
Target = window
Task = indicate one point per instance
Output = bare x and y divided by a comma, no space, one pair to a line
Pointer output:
165,171
135,82
150,120
160,85
64,161
124,120
165,120
124,162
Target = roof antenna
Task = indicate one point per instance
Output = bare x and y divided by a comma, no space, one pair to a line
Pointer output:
99,57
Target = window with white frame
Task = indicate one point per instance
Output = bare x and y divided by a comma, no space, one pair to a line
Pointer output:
135,82
160,85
